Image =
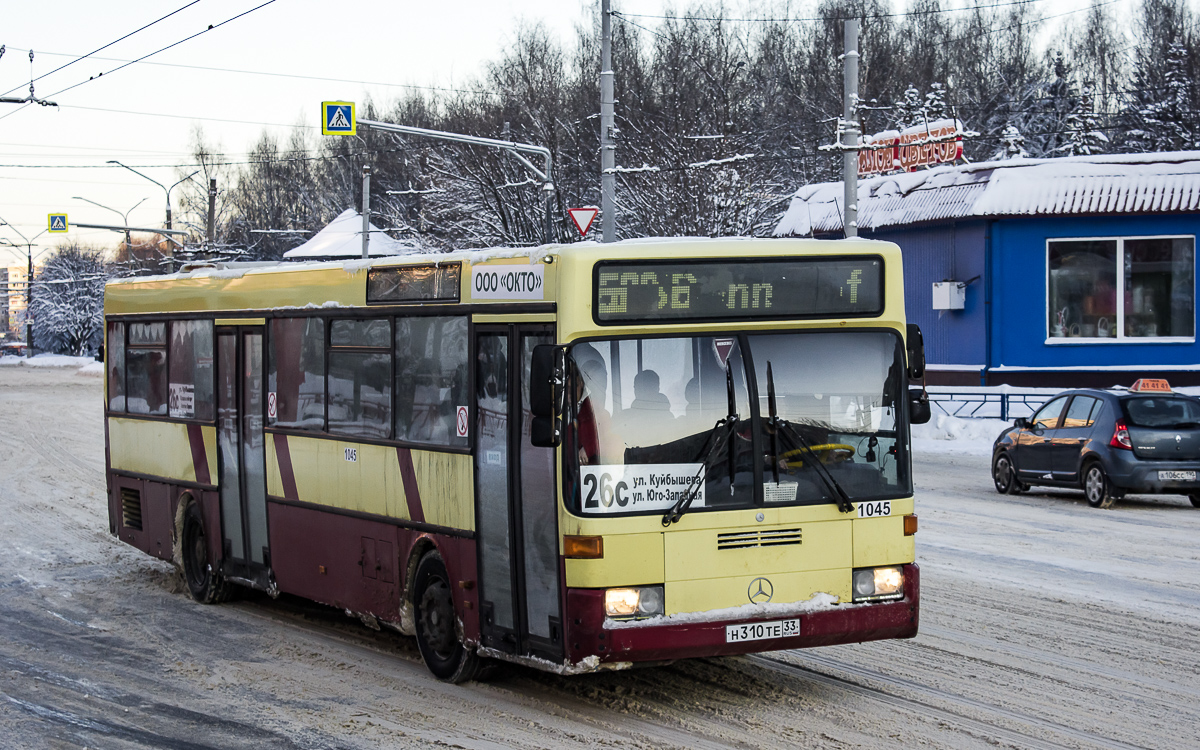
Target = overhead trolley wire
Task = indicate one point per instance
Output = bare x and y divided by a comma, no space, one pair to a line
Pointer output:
99,49
297,76
211,27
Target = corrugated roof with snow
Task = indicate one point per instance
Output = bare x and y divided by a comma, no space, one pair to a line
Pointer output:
1106,184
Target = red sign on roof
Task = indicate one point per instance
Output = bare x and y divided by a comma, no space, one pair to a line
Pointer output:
1150,385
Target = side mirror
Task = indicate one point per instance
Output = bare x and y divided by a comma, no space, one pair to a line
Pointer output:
918,406
915,344
546,378
1021,422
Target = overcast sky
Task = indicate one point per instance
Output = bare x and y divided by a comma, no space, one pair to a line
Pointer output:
144,114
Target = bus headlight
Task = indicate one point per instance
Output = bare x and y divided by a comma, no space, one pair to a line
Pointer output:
875,584
645,601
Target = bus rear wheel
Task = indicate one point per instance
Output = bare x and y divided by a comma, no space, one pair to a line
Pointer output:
1195,500
437,635
204,584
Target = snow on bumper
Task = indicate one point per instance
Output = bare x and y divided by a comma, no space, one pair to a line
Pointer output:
822,623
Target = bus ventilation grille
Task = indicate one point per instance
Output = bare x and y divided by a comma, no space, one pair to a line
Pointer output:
131,509
758,538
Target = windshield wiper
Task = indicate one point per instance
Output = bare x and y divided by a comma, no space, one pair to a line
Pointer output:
774,414
710,449
777,424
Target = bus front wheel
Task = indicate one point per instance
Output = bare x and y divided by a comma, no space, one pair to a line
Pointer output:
437,635
204,584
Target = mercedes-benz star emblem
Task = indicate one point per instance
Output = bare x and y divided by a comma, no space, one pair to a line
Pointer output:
760,591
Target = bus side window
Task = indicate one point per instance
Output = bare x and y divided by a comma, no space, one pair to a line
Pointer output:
146,368
296,373
116,366
431,379
360,377
190,370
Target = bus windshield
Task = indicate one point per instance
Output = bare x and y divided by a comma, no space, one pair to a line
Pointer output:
652,419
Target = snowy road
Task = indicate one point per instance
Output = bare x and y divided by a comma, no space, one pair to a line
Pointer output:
1045,624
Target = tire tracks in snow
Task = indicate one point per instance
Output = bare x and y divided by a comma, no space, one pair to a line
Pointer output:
934,703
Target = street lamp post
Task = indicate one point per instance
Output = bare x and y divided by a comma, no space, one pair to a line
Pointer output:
165,189
124,217
28,245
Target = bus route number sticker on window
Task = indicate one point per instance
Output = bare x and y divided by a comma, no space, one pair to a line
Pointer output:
508,282
876,509
639,487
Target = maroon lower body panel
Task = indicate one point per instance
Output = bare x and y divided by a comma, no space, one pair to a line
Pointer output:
141,513
586,634
361,564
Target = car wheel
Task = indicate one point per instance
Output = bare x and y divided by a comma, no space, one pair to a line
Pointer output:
1004,476
1099,492
204,583
1195,500
437,635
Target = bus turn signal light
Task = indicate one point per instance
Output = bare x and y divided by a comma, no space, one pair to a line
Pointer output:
910,525
583,547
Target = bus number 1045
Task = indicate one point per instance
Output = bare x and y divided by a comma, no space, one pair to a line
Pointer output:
875,509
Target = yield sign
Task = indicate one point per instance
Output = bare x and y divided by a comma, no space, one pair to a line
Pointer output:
583,218
722,348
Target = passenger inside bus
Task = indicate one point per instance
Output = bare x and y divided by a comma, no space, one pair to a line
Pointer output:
595,437
647,396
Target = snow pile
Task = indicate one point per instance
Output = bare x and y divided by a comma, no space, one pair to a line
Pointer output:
92,370
48,360
945,434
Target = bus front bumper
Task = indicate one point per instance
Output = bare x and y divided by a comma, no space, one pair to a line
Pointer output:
588,634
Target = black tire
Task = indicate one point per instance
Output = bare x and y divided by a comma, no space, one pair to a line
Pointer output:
437,634
204,583
1096,487
1195,500
1004,476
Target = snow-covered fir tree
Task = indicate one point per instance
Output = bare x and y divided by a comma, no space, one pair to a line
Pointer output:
1083,131
1012,145
909,109
935,102
1166,119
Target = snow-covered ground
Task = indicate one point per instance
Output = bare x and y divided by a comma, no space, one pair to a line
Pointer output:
1044,624
84,365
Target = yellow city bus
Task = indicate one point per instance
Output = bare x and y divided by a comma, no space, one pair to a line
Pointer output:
576,457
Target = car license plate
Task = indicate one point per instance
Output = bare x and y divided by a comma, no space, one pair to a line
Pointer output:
1176,476
761,631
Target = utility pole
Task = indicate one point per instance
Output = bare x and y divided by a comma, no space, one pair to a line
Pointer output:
608,155
29,303
212,210
366,210
848,132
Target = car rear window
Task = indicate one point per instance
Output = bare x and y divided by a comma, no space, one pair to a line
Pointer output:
1162,411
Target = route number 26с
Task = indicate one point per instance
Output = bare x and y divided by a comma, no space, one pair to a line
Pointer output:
875,509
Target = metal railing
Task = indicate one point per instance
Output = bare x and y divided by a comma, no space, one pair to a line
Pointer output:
987,404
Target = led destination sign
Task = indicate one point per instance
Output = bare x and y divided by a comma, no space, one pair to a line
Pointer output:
738,289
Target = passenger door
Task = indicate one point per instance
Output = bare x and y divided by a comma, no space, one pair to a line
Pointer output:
1034,452
241,455
516,499
1072,434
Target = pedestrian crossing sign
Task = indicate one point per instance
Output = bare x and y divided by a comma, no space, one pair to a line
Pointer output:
337,118
58,223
